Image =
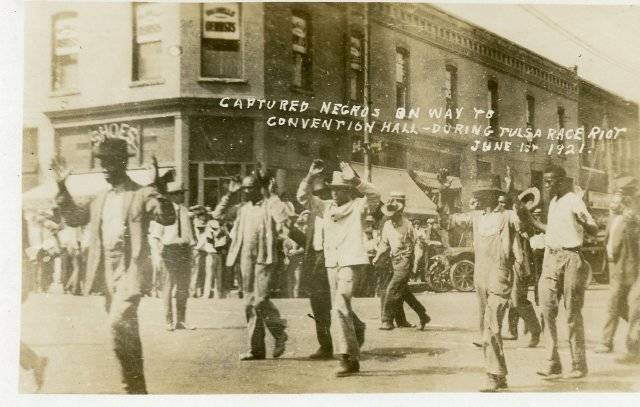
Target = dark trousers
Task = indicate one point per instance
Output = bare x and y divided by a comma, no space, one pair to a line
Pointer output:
177,264
398,291
520,306
320,299
617,308
125,339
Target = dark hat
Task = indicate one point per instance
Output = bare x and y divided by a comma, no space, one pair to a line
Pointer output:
488,183
338,181
175,187
111,147
392,207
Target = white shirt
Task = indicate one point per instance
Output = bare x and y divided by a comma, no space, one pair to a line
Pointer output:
113,221
563,229
175,233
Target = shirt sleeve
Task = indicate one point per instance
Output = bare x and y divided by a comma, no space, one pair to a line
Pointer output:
580,210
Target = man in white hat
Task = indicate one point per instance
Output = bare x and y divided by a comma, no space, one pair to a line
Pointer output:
345,252
176,242
399,238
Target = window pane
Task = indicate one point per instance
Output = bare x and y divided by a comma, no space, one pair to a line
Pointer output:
65,52
220,59
297,69
149,62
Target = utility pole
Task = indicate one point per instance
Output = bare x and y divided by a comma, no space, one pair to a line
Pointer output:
366,151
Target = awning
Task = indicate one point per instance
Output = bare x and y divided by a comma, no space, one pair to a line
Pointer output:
430,180
81,186
388,180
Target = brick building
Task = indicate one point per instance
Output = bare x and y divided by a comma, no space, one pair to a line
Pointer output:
156,73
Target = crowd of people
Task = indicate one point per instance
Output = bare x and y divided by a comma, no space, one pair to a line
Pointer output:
343,242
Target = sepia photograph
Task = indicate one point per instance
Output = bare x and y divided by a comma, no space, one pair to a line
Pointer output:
320,198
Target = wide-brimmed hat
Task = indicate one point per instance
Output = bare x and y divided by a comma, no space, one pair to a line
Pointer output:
401,196
488,183
392,207
197,209
111,147
534,193
338,181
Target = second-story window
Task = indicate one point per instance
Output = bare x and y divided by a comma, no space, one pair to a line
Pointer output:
147,41
356,85
450,90
492,104
301,46
66,47
402,78
561,123
221,49
531,112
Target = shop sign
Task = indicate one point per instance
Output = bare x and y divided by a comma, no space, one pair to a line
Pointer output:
299,31
221,21
125,131
66,36
148,24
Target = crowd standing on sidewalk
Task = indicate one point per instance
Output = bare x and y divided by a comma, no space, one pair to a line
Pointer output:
339,240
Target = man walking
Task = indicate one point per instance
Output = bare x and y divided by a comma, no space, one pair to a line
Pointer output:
253,244
496,250
316,278
118,220
623,258
175,242
399,238
563,271
345,253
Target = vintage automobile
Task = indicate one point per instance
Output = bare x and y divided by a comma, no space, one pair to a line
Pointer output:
453,268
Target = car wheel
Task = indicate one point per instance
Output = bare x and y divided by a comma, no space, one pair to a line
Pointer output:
461,275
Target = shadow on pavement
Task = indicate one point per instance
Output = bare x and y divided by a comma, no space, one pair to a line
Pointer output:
391,354
434,370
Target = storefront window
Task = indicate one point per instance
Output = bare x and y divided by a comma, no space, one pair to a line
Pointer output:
221,54
66,47
147,41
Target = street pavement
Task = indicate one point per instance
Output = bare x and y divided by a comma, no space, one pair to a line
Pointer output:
71,332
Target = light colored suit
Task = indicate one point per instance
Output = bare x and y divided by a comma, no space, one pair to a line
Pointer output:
141,205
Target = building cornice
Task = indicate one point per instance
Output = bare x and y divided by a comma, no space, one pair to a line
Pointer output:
438,28
605,94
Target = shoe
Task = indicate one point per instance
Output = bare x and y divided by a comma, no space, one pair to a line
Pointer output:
240,294
534,340
424,320
38,372
386,326
494,384
280,345
251,356
170,326
603,348
551,373
321,354
405,324
576,374
628,359
347,367
182,325
478,343
510,337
